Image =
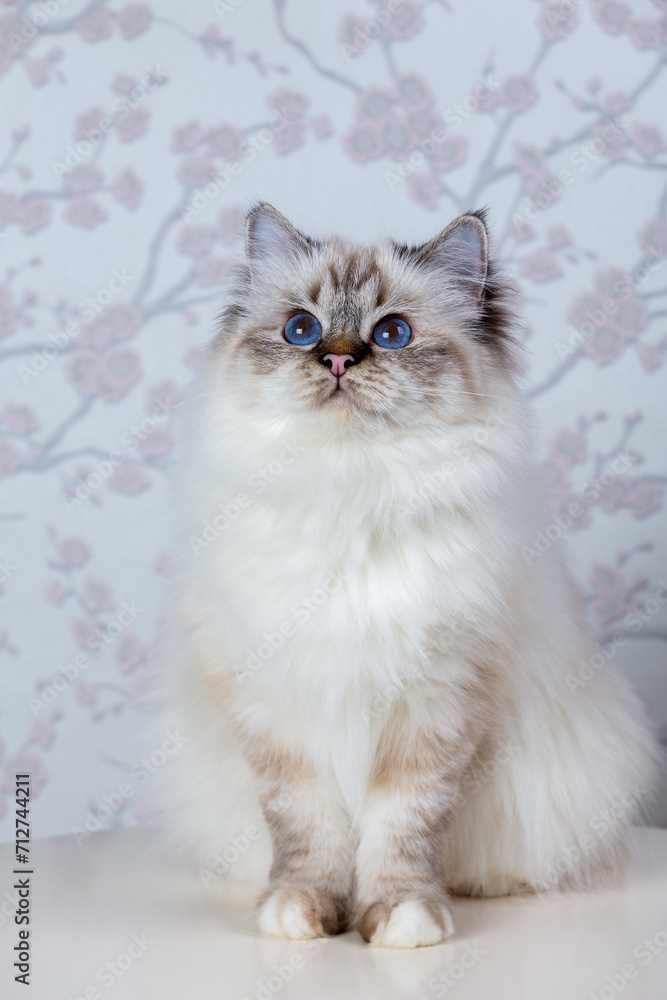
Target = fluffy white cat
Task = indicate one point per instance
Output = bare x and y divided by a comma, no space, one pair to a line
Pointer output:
377,673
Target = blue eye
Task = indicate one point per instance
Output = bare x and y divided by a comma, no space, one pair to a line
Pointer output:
302,328
392,331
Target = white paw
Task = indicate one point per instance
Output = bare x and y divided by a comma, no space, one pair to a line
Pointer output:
297,913
410,923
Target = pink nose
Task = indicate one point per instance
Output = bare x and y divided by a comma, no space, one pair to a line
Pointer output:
338,363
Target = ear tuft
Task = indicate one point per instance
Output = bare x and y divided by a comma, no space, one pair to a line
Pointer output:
461,254
270,239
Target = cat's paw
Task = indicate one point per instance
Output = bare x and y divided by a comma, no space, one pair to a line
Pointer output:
405,922
299,912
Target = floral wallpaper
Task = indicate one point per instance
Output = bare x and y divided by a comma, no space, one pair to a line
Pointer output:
133,138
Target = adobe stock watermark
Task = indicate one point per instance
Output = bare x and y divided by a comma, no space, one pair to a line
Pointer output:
98,642
33,20
588,495
258,482
120,108
256,143
435,482
624,289
140,773
601,824
302,611
7,569
131,439
88,308
634,621
224,7
481,773
383,701
116,968
454,116
645,952
586,153
471,954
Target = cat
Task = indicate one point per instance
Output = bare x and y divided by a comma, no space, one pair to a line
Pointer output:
375,672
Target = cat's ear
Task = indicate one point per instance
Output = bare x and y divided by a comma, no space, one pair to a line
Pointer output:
271,241
460,253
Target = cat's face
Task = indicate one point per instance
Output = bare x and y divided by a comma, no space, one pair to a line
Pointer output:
358,335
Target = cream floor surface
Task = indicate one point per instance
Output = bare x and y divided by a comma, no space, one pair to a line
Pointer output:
109,921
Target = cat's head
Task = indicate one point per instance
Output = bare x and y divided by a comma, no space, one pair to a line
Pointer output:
387,334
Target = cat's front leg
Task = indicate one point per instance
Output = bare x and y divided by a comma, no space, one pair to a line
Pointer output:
311,875
401,894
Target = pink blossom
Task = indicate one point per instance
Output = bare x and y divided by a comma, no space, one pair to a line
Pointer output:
129,479
614,147
8,205
162,396
406,20
96,595
56,591
134,19
630,318
116,322
521,230
128,189
9,458
94,26
118,370
21,418
396,138
614,496
123,83
163,565
581,518
193,241
226,141
558,237
450,153
84,631
73,552
645,34
186,137
653,237
425,190
85,693
518,93
569,446
231,223
374,104
612,17
131,123
39,72
195,171
613,283
287,138
42,732
288,103
157,444
618,102
645,499
81,372
605,343
128,653
85,213
322,127
33,214
650,357
352,34
423,123
413,91
362,144
88,122
541,266
25,762
648,139
557,20
212,270
7,312
83,178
